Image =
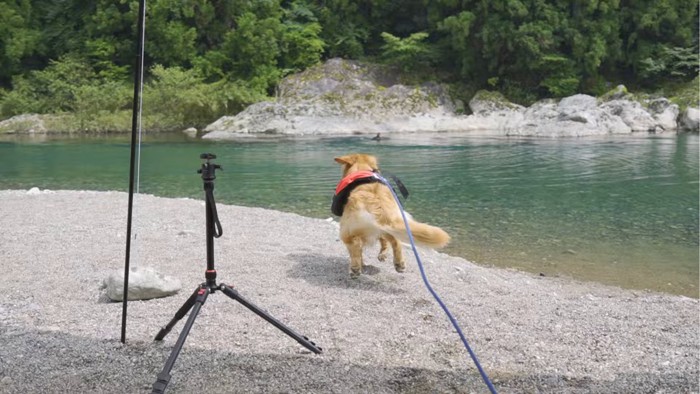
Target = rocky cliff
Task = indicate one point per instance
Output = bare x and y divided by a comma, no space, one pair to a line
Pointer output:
341,97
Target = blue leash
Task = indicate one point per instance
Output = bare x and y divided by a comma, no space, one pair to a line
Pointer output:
435,295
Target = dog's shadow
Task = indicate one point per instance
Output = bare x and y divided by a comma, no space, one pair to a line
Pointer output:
331,271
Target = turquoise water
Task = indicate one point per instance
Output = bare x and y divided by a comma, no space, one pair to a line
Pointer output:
619,210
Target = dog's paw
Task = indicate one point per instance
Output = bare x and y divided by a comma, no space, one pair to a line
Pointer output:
382,256
400,267
354,274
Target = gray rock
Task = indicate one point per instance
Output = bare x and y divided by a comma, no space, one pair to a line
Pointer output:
144,283
486,103
632,113
580,108
690,120
190,132
492,111
577,102
25,123
665,114
573,116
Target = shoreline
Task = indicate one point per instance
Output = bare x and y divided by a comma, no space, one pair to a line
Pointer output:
382,333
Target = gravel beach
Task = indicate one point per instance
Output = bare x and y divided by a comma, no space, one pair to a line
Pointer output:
381,333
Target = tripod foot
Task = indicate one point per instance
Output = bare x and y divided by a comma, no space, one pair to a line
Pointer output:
164,376
161,383
304,341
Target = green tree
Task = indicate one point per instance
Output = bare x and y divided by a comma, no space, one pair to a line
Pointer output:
345,28
655,34
178,98
300,42
457,31
672,63
540,47
18,38
407,53
109,37
251,51
51,90
171,33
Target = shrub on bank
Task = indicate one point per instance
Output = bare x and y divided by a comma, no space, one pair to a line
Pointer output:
173,98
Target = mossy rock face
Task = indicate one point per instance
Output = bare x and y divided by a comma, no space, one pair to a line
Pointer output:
485,101
619,92
357,89
343,97
327,76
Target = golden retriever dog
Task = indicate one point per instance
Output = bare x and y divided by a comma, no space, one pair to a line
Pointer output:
371,213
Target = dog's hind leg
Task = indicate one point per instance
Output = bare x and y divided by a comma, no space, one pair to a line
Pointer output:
399,262
354,245
383,248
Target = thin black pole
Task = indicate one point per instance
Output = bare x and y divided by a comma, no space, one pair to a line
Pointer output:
135,125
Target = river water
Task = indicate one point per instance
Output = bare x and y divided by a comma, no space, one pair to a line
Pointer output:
621,210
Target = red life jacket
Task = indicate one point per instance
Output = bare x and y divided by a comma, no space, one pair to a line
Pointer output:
346,185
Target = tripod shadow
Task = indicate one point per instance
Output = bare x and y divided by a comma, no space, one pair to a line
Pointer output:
87,364
106,366
331,271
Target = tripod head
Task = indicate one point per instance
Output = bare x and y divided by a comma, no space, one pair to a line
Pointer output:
208,169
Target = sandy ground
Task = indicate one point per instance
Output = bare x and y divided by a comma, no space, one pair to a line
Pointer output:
381,333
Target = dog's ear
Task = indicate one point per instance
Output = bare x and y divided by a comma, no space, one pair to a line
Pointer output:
346,160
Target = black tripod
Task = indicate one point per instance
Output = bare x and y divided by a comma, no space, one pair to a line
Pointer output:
201,293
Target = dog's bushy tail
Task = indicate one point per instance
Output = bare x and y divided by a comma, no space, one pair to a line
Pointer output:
423,234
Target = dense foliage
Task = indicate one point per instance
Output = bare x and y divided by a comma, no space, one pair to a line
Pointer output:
207,58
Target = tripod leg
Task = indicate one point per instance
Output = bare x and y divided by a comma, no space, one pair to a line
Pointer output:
164,376
178,315
304,341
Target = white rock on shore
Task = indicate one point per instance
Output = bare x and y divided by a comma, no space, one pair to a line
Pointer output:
145,283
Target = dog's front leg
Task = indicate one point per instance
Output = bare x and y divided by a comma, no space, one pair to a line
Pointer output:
354,245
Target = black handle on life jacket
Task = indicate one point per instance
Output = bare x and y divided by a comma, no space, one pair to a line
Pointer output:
399,184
